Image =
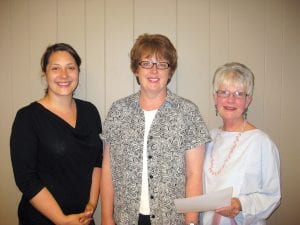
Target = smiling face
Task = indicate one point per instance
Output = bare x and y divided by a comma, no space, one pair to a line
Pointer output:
153,80
62,74
231,108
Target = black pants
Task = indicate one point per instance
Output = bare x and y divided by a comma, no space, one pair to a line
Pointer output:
144,220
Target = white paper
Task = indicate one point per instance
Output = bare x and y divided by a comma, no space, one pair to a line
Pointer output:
206,202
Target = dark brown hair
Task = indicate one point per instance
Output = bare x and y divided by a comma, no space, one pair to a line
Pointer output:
59,47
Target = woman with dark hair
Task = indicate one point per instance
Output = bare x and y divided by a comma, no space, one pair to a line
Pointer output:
56,150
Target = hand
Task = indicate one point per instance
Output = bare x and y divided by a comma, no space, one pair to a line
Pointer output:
90,209
86,217
77,219
232,210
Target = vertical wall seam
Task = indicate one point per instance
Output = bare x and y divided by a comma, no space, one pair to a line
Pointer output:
56,36
265,62
29,48
133,36
104,58
209,58
85,48
229,30
176,34
283,22
11,58
29,43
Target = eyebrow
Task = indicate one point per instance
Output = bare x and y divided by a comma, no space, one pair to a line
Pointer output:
71,63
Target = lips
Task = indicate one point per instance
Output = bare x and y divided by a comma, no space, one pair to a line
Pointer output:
229,108
64,84
153,79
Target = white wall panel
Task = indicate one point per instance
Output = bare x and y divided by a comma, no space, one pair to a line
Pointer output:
290,120
95,57
9,194
155,17
118,42
193,53
20,61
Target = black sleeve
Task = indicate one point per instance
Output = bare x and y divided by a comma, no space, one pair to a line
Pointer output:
23,149
97,122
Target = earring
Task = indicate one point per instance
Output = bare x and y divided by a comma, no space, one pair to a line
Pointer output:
245,114
216,109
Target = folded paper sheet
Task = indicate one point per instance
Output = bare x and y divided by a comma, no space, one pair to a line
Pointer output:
206,202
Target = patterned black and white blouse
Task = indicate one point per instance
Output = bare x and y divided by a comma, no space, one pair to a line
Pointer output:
177,127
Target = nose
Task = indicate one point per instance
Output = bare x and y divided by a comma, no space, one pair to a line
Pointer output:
154,67
231,97
64,72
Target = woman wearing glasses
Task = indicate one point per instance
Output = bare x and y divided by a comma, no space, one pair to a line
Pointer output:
154,144
240,155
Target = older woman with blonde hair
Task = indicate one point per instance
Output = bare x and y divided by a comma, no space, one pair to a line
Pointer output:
240,156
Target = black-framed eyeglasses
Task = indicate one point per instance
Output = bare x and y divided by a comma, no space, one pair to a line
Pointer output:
235,94
149,64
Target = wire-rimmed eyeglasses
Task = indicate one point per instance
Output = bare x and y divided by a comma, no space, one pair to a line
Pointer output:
235,94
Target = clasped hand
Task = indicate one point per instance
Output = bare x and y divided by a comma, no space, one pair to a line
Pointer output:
232,210
83,218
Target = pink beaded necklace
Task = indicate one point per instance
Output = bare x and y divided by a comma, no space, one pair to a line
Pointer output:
227,158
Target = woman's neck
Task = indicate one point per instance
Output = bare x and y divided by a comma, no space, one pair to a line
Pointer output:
64,107
233,126
65,103
152,101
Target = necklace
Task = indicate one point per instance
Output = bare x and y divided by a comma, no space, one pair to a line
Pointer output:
230,153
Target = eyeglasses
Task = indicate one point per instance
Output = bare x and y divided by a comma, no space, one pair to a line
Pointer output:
150,64
235,94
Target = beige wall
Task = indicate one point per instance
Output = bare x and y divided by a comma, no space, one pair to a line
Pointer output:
263,34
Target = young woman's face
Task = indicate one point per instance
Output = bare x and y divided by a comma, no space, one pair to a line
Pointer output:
62,74
153,79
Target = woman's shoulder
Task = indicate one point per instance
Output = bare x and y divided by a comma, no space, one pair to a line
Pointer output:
123,103
182,103
180,100
27,114
215,130
84,104
261,139
28,109
258,134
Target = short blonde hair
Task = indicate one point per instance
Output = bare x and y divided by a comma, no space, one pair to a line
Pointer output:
234,73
